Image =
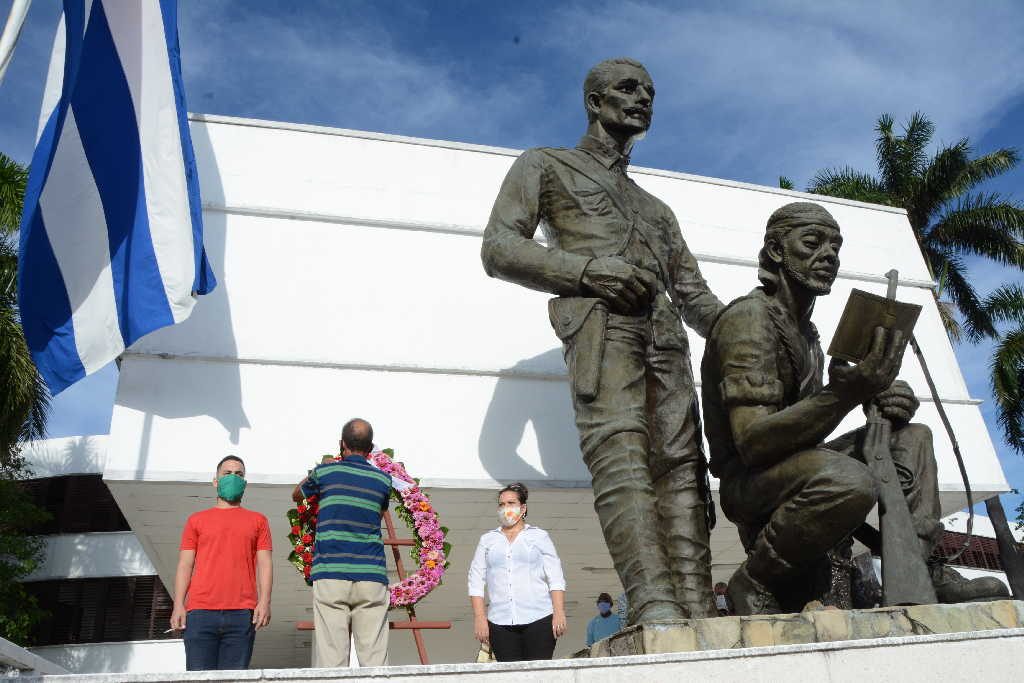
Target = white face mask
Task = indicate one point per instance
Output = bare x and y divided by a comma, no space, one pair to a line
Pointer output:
509,515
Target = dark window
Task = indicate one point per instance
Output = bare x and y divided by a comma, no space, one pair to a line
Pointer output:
981,553
77,504
102,610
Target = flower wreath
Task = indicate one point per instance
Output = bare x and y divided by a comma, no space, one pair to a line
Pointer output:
430,549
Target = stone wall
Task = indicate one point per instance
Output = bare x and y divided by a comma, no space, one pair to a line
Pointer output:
821,626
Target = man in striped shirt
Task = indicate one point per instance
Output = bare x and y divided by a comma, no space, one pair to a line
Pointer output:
350,581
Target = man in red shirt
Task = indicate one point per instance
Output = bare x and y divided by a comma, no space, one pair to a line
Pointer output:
222,586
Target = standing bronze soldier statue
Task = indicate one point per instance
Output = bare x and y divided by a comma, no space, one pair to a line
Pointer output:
624,276
767,411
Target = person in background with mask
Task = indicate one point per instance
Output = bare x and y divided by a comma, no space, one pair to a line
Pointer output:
606,623
516,564
722,599
224,577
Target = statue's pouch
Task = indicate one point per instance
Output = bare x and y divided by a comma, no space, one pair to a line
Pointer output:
580,323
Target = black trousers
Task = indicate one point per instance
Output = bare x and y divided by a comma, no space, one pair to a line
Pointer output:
522,642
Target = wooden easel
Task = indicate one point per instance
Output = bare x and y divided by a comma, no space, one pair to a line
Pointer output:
413,624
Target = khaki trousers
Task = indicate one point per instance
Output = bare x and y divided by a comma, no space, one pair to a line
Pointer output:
337,604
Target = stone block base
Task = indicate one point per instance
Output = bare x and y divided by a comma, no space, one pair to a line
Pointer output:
821,626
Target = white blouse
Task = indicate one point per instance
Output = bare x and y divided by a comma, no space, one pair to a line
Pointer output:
519,576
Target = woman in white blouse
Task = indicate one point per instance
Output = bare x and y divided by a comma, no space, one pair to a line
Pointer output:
518,566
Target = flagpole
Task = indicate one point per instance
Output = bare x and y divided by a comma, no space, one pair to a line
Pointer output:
12,29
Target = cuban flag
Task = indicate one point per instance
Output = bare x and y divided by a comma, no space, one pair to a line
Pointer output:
111,243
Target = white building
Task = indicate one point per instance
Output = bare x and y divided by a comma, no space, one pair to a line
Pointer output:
351,284
981,556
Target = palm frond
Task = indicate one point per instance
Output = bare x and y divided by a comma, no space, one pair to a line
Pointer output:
986,167
8,273
939,183
25,401
953,282
849,184
1007,379
785,183
13,178
983,224
1006,304
902,158
917,133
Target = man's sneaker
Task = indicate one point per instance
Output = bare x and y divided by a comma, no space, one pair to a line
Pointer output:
750,596
951,586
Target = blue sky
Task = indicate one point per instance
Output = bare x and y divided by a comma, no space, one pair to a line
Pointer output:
746,90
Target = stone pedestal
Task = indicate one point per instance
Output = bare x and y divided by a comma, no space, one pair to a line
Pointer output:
821,626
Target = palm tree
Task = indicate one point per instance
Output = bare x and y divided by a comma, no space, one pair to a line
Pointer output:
24,399
952,220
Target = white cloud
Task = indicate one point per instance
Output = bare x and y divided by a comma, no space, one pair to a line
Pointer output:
762,89
347,69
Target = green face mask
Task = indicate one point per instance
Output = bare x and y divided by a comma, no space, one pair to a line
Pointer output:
230,487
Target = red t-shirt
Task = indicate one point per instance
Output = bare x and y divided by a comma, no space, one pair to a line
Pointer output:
225,541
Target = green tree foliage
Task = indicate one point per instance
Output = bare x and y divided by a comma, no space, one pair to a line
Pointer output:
952,220
21,551
24,400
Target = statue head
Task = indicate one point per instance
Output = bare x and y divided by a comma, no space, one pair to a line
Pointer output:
801,243
618,93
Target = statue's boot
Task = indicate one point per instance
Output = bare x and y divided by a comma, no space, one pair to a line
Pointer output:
751,587
626,507
749,596
951,586
913,455
686,537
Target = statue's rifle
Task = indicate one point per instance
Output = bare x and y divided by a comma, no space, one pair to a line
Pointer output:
905,577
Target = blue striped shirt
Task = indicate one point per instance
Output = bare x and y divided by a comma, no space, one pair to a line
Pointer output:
352,495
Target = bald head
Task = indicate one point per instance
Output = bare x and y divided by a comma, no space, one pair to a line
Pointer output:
357,436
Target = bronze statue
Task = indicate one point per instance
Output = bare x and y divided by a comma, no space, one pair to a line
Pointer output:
624,275
793,498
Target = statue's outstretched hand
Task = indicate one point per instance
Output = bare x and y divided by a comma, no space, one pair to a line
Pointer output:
897,403
625,287
865,380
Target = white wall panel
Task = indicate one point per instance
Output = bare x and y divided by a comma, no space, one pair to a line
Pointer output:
92,555
452,430
727,220
316,292
385,178
456,430
135,657
66,455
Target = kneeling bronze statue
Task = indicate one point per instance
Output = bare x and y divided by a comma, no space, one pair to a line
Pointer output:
767,411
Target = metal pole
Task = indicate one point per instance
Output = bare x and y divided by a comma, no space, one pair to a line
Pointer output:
12,29
1009,555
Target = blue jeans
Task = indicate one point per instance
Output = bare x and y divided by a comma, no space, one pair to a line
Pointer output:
218,639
